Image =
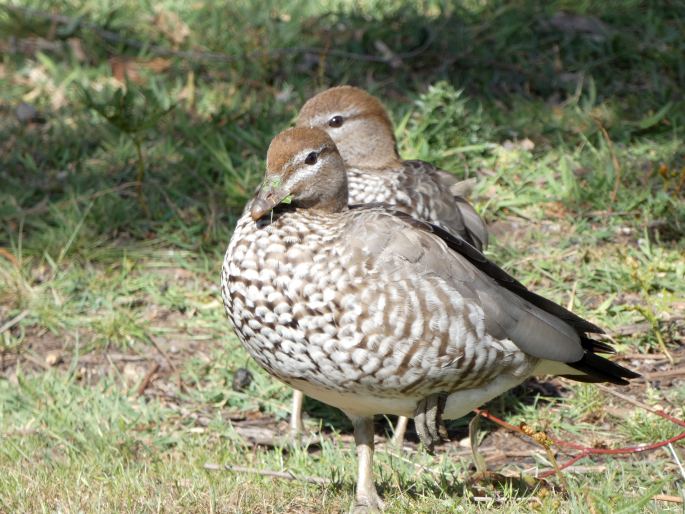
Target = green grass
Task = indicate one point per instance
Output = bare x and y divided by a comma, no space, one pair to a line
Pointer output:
576,139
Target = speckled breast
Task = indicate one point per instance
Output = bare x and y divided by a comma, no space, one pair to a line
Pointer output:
279,283
308,307
390,186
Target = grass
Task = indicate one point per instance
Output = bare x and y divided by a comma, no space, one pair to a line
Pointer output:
575,134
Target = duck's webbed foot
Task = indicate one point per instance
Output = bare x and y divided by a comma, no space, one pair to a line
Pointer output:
428,420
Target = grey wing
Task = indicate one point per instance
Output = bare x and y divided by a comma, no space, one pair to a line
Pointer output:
449,209
395,243
474,223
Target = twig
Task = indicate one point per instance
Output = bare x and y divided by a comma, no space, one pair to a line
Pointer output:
419,467
9,256
640,356
599,214
179,381
123,357
581,470
147,380
665,374
490,499
644,406
667,498
21,432
648,313
286,475
616,451
9,324
163,354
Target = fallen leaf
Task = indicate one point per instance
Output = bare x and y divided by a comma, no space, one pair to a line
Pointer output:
4,252
554,210
76,47
124,68
171,26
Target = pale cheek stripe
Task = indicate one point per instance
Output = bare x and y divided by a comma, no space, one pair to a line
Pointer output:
302,175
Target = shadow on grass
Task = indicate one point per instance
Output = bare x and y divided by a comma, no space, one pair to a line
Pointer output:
531,392
509,55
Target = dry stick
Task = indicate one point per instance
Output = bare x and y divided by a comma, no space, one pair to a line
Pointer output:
14,320
666,374
4,252
163,353
667,498
639,356
179,380
286,475
147,380
641,405
36,361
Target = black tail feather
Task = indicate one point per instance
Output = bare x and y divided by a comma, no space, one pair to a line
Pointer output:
599,369
596,346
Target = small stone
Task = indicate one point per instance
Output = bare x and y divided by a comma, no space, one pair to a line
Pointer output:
52,358
81,373
465,442
242,378
133,373
527,144
27,113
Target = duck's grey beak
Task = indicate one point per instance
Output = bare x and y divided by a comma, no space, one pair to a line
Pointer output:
260,207
265,200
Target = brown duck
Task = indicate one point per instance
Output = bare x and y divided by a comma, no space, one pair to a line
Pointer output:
362,130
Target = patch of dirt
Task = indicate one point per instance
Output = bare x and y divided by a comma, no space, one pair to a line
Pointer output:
35,354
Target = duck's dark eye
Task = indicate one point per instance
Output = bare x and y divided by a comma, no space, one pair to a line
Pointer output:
335,121
311,158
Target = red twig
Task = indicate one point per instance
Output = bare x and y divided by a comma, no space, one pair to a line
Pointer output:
616,451
585,450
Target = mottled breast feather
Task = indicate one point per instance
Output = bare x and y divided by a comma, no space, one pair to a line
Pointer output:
310,304
374,302
423,191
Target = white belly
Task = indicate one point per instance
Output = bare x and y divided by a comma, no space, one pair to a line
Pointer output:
355,404
462,402
458,403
